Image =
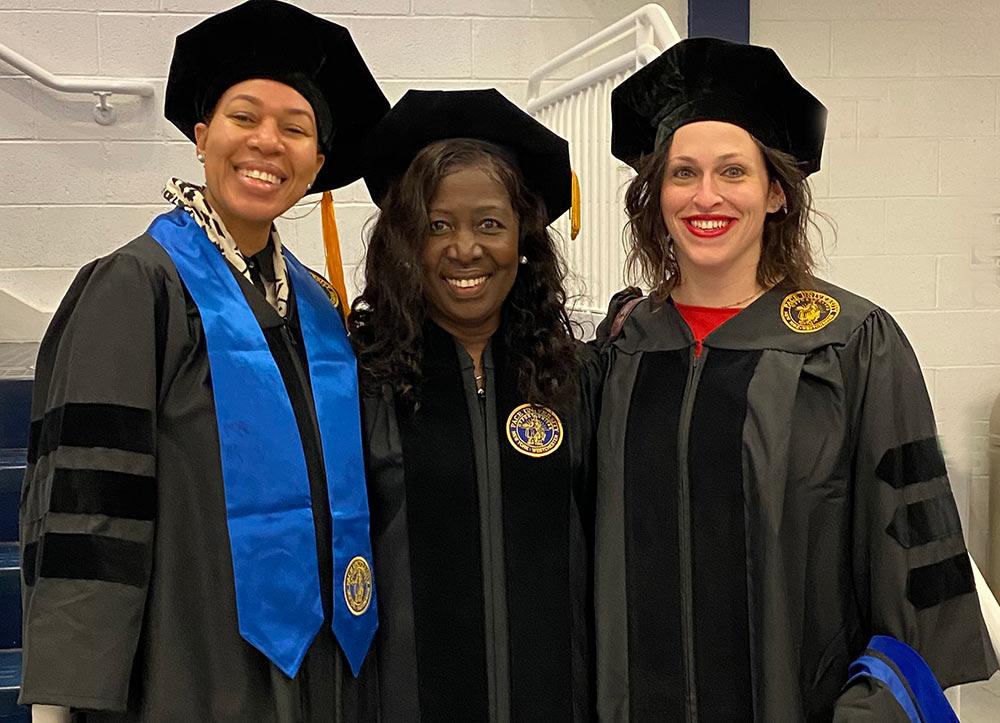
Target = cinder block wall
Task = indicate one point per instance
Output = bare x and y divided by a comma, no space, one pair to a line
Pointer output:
73,190
912,178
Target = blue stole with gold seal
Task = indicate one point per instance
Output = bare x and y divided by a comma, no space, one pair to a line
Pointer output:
269,508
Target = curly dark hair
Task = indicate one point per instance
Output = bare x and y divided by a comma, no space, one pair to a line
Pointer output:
387,319
785,254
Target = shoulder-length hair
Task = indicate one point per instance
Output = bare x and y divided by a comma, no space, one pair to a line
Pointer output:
388,317
785,252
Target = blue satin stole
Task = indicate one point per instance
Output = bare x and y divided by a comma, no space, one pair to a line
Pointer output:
908,678
268,505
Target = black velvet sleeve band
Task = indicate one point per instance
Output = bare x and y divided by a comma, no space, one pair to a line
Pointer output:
912,463
93,557
925,521
101,492
112,426
931,585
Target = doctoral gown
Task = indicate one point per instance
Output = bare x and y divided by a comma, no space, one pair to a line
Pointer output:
481,551
767,506
129,600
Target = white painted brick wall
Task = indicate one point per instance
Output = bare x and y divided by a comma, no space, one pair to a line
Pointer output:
912,177
74,190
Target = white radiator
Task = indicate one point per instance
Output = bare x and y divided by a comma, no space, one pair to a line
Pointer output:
580,111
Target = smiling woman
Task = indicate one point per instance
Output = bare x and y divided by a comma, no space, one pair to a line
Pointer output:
715,196
470,258
261,154
478,411
196,420
779,539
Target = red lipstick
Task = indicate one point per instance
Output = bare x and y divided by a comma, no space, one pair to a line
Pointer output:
708,225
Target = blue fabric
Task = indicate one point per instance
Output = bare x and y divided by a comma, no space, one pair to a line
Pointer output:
928,702
333,370
268,504
872,667
926,690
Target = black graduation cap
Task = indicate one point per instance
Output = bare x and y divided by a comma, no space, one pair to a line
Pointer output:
278,41
424,116
710,79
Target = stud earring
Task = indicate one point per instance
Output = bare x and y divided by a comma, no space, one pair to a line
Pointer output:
200,156
523,260
308,186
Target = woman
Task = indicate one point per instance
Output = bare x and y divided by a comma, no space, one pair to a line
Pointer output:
195,420
771,494
477,422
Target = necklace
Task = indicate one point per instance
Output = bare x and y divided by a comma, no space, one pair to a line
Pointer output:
742,302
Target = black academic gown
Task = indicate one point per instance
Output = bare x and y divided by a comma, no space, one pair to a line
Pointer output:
129,601
767,507
481,552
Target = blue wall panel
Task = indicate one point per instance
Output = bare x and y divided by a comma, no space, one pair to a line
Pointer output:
726,19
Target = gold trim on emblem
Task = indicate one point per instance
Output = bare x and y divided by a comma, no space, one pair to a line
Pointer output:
534,430
358,585
331,292
807,311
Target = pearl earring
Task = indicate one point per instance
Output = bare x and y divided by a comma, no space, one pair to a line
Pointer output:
523,260
200,156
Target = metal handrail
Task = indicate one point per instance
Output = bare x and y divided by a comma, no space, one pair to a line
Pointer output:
652,26
644,53
576,104
104,112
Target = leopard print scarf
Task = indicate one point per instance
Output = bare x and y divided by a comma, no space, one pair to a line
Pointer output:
192,199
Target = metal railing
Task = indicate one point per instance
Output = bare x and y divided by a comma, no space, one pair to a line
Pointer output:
579,109
104,113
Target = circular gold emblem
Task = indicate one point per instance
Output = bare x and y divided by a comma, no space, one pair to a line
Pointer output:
327,287
808,311
534,430
358,585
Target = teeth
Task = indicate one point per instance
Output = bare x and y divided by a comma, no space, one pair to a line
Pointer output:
466,283
707,225
261,176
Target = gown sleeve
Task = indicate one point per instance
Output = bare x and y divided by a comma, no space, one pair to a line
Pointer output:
912,576
88,500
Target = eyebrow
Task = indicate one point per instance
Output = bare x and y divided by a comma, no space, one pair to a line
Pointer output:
256,101
486,208
724,157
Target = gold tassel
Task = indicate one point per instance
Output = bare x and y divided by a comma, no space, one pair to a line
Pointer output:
574,211
331,245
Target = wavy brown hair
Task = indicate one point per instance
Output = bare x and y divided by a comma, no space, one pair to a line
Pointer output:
388,318
785,253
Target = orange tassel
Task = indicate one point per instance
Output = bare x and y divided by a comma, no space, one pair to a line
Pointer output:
331,244
574,215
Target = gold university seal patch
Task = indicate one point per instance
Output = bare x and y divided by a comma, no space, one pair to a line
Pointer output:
327,287
358,585
808,311
533,430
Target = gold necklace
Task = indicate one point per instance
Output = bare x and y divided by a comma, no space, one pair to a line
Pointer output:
753,297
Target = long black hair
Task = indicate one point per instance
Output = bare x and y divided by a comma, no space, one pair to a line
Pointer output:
387,319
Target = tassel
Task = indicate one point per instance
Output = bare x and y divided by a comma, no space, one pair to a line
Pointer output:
574,211
331,245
